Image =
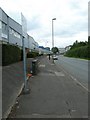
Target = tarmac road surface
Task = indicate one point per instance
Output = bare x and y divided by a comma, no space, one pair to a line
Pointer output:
76,68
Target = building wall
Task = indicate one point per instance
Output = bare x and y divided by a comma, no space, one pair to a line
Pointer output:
15,32
0,14
4,17
4,28
11,32
26,43
0,24
16,26
33,45
43,50
0,30
30,42
62,50
36,46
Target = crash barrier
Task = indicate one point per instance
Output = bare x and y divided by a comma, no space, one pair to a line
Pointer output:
35,67
12,84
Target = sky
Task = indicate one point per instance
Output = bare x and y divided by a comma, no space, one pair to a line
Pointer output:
71,22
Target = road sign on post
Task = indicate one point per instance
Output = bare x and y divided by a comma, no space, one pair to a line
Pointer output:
24,35
24,26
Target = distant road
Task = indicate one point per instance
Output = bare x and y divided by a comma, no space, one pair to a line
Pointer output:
77,68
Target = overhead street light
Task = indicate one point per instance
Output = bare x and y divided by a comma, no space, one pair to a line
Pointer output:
54,19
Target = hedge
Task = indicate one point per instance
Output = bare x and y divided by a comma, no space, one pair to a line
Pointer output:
10,54
32,54
80,52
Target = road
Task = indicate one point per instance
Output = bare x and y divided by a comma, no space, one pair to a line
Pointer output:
76,68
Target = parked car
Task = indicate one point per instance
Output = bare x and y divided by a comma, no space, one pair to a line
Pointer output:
55,57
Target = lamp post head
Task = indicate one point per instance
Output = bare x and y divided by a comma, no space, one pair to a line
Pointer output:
54,19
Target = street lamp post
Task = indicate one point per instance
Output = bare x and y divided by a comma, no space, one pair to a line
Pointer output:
53,32
53,35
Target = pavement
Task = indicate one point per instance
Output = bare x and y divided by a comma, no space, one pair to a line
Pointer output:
11,85
53,94
12,80
0,92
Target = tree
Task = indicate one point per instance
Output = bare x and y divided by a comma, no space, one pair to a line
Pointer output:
55,50
77,44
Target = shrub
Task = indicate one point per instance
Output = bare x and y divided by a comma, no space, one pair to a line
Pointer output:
21,55
80,52
10,54
32,54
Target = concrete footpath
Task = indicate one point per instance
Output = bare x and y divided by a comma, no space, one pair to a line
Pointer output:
53,95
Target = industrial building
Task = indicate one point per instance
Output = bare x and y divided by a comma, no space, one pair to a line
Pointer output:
11,32
62,50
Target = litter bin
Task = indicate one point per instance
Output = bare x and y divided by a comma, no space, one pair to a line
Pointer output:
34,67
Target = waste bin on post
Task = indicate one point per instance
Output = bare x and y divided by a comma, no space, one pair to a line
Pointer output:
34,67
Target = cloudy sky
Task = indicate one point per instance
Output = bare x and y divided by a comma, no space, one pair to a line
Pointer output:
71,22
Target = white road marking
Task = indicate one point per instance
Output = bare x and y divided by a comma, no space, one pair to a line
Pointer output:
79,83
41,65
46,74
38,63
76,80
52,64
59,74
73,110
49,116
